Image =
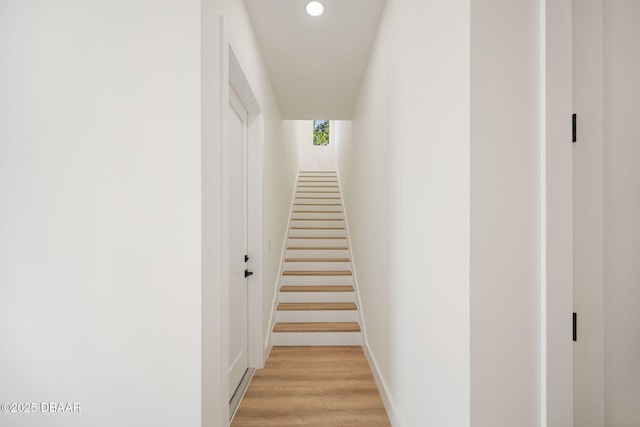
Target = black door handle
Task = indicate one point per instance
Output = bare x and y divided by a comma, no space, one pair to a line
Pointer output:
248,273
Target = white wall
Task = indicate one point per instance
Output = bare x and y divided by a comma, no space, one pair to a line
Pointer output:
405,176
314,157
110,229
621,212
100,221
506,224
446,215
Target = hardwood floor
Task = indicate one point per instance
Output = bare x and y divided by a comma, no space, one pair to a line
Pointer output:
313,386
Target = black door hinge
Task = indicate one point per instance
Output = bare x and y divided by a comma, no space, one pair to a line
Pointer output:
575,327
574,127
247,273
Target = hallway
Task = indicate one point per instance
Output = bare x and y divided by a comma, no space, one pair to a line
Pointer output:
313,386
479,222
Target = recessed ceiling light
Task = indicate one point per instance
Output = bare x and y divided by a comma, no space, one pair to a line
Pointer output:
315,8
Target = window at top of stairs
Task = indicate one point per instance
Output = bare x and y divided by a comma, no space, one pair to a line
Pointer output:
321,132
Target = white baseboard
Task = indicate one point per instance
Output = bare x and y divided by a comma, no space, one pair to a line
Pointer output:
382,388
267,348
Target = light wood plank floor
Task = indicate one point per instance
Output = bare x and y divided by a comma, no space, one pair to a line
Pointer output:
313,386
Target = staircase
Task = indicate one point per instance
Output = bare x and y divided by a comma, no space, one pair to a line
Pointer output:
316,299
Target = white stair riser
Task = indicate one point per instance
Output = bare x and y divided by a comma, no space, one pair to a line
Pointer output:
317,215
317,253
316,280
317,266
316,297
329,202
330,198
316,338
328,209
319,189
317,233
324,183
316,223
312,197
317,316
320,172
304,179
317,243
317,177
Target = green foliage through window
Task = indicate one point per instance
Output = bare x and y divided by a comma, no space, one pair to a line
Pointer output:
320,132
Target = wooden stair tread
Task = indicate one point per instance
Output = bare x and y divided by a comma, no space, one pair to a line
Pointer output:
317,237
316,228
317,327
317,198
321,248
316,288
317,260
317,219
316,306
317,204
318,212
317,273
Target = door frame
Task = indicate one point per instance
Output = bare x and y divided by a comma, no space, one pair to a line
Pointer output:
231,74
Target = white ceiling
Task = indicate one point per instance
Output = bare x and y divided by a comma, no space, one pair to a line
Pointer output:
315,64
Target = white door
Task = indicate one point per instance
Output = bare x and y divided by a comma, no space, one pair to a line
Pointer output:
238,310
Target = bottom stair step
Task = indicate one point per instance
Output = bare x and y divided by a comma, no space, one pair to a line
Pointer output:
317,327
317,338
